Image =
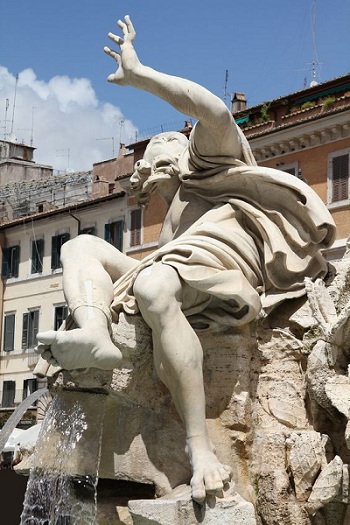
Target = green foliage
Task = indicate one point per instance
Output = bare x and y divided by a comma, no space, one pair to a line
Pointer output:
328,102
308,104
264,112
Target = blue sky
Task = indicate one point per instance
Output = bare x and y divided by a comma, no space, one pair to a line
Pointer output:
62,93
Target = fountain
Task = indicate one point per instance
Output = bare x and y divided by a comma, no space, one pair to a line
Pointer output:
245,287
18,413
55,494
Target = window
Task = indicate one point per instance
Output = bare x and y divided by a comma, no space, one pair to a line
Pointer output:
30,329
291,171
9,332
90,230
135,227
8,394
114,234
29,386
57,242
61,313
10,262
37,256
338,176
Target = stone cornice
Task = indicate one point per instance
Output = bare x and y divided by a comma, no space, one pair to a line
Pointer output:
305,135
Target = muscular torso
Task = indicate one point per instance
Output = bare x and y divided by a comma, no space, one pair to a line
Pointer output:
185,209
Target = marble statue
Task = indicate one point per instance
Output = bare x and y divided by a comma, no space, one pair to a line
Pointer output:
237,241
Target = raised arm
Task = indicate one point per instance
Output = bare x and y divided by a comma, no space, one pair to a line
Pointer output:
216,132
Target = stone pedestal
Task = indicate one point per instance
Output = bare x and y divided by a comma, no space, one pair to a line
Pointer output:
177,508
278,409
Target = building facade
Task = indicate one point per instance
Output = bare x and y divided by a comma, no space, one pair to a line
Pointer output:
305,133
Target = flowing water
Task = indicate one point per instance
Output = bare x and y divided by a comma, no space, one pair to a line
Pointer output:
62,484
15,418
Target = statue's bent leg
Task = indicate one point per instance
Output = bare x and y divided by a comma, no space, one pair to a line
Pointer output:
90,266
178,359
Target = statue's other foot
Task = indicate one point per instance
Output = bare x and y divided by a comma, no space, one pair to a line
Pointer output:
210,477
88,347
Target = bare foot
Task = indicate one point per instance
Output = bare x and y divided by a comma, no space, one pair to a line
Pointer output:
79,348
210,477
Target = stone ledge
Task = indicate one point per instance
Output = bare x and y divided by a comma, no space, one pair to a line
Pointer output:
177,508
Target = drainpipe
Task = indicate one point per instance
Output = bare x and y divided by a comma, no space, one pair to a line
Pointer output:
78,221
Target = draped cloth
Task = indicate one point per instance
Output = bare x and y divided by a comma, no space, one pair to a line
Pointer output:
251,250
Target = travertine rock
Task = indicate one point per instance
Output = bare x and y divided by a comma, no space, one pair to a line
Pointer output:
178,508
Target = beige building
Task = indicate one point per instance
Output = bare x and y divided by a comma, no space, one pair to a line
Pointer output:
32,297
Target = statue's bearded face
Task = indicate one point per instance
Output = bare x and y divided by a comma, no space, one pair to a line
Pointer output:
159,164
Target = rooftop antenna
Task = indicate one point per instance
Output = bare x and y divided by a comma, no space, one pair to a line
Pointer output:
315,62
121,125
7,104
29,129
112,139
13,109
64,155
225,85
32,130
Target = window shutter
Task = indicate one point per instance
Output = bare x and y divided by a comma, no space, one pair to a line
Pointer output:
5,263
54,253
8,393
15,261
9,332
37,255
35,327
114,234
340,178
108,232
119,235
56,244
29,386
64,238
25,330
40,250
61,313
135,230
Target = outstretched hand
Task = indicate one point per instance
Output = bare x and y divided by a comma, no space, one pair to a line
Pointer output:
126,58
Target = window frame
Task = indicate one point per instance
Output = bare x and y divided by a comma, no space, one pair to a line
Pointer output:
8,394
110,236
56,319
345,191
88,230
30,385
56,244
287,168
135,227
6,336
37,256
30,328
10,261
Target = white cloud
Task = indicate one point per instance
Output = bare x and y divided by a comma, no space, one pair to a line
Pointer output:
65,119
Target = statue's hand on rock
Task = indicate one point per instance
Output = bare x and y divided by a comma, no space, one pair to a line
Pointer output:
87,347
126,58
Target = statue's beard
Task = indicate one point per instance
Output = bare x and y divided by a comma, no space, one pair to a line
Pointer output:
164,167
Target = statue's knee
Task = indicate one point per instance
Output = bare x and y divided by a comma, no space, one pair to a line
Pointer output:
145,289
154,291
81,244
